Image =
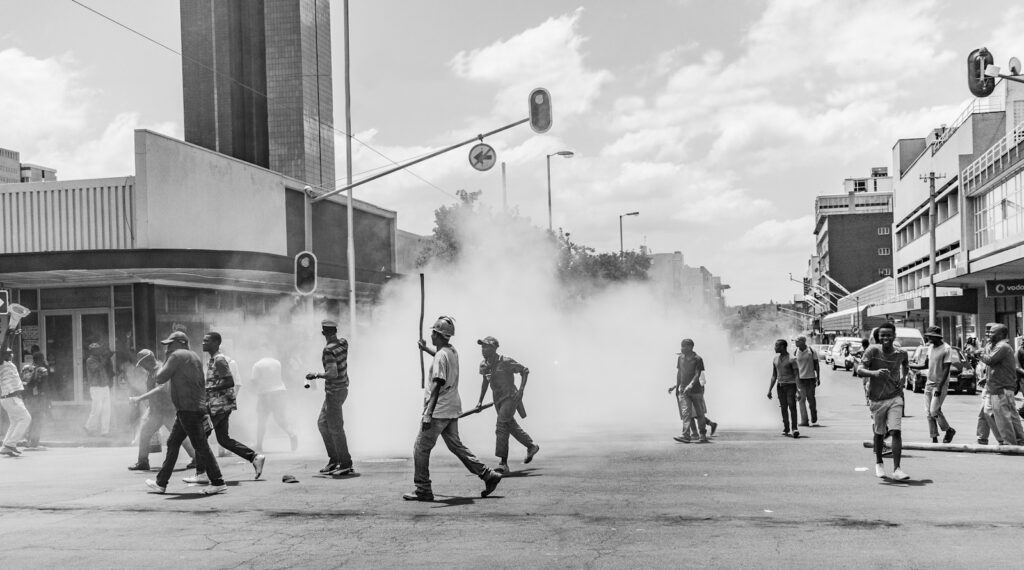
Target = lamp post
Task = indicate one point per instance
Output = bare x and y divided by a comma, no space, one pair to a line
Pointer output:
566,154
622,252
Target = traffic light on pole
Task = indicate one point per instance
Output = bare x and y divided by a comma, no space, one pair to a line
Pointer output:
807,286
305,273
540,110
980,84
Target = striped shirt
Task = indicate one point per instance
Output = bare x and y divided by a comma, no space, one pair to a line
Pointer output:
335,360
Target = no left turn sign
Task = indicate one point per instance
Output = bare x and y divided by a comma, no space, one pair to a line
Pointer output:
482,157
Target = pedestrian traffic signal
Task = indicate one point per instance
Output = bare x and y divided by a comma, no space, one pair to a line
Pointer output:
980,84
540,110
305,273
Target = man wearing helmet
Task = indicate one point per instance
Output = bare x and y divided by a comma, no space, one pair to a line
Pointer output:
441,411
331,421
499,373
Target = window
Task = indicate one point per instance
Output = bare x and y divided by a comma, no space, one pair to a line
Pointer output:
884,251
884,271
883,231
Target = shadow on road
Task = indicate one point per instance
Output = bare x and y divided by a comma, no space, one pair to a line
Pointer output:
907,483
460,501
349,476
531,472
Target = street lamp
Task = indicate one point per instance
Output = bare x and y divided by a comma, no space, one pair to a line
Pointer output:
566,154
621,251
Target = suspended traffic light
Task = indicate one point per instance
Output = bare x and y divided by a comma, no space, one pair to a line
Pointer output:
540,110
980,84
305,273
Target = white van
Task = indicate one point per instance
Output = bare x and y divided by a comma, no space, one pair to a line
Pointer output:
906,338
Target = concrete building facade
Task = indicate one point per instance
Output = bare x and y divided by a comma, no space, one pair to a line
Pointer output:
10,166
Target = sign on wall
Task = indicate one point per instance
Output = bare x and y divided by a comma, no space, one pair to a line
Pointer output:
1004,288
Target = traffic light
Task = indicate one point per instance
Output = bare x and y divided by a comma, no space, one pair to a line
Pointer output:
540,110
980,84
807,286
305,273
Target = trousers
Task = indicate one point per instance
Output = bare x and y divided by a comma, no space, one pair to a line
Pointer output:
447,429
332,426
20,419
99,413
507,425
806,398
787,403
189,425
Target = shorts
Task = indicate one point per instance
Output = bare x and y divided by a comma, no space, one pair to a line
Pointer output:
887,415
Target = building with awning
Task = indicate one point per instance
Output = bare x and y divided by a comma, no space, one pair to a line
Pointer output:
853,311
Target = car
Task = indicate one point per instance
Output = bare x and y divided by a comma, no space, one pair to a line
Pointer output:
822,351
836,357
961,378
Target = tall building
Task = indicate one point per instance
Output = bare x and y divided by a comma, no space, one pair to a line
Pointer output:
36,173
10,166
257,86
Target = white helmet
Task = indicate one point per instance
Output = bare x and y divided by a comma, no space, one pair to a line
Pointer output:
444,326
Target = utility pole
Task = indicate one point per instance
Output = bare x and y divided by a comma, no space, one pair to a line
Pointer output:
932,264
350,253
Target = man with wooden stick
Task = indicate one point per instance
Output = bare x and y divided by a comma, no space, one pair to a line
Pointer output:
499,373
441,411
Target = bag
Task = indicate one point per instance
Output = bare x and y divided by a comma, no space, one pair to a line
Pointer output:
703,378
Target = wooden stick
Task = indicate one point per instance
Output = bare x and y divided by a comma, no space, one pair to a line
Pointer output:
423,371
960,447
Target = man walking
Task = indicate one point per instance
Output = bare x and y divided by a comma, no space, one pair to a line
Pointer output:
884,368
97,376
785,372
499,373
160,413
11,390
940,360
35,377
441,410
220,401
808,379
271,399
1002,384
183,370
689,389
332,421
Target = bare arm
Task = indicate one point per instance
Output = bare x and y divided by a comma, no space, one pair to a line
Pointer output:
428,409
483,390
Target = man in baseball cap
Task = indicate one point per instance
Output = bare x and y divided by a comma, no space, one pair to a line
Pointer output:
499,372
999,356
160,413
332,421
940,360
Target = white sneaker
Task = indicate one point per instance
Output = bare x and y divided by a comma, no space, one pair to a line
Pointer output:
214,489
151,483
879,470
197,479
899,475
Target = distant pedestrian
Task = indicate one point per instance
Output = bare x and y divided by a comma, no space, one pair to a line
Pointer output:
498,373
441,410
332,419
271,400
940,360
785,372
161,411
35,377
1002,384
809,378
11,390
884,367
183,370
689,389
99,379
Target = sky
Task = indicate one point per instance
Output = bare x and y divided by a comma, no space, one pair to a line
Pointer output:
719,121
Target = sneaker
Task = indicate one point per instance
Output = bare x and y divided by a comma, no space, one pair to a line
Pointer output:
785,433
327,468
887,452
683,439
490,484
501,468
294,441
151,483
935,440
714,428
214,489
529,455
982,441
949,435
339,470
417,496
10,451
197,479
140,466
703,439
191,464
879,470
796,434
899,475
257,464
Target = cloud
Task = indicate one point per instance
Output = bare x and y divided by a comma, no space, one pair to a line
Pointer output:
725,206
772,235
40,99
111,153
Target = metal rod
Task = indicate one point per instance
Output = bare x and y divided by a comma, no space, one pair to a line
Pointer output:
549,193
351,249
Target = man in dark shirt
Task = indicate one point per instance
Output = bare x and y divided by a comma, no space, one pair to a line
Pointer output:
183,370
786,372
689,391
161,410
1002,384
884,368
499,373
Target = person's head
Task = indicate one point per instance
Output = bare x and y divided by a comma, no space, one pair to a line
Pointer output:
686,346
176,341
801,342
212,342
972,341
996,332
329,329
885,334
488,347
95,348
442,331
934,335
145,359
38,358
864,343
781,346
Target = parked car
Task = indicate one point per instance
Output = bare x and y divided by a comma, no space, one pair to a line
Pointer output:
822,350
837,356
961,378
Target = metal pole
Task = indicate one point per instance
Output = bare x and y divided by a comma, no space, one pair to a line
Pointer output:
932,265
622,253
351,253
504,189
549,193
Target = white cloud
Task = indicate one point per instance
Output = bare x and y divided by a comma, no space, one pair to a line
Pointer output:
39,99
776,235
725,206
111,153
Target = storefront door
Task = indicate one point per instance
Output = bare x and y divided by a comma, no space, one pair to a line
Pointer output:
66,336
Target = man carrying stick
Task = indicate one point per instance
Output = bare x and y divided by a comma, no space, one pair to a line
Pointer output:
441,411
499,373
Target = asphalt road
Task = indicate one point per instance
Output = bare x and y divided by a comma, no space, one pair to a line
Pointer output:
606,499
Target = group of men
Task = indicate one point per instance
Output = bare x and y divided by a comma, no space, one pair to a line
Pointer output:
691,379
797,378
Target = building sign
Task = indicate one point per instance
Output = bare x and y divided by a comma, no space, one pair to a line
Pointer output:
1004,288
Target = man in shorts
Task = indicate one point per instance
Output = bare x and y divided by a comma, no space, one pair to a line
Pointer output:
884,367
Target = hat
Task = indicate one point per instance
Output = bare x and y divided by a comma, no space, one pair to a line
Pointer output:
289,479
176,336
95,346
934,331
488,340
328,324
444,326
142,355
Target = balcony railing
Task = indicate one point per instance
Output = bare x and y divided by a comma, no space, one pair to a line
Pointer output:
995,160
990,104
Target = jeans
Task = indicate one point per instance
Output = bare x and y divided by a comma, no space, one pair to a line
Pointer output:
99,414
272,403
448,429
1004,412
805,396
697,407
220,427
332,426
189,424
37,406
150,425
986,423
20,419
507,425
787,401
933,409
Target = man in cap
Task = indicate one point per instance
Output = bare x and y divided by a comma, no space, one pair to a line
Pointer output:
940,360
808,379
11,390
441,410
690,395
884,367
161,410
97,376
183,370
1002,384
499,373
331,421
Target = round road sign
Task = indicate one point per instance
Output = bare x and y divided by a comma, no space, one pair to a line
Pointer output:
482,157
